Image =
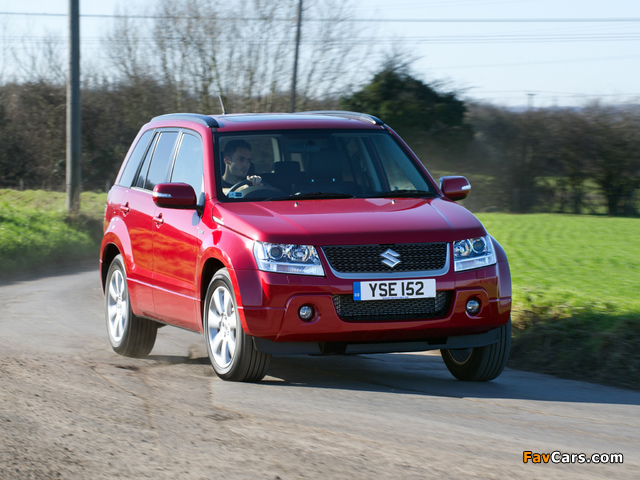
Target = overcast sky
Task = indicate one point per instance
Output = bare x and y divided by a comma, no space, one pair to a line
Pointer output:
556,58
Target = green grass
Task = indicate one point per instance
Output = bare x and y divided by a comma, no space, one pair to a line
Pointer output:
575,290
37,232
571,262
91,203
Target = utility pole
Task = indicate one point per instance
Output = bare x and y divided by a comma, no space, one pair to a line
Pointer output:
530,101
74,142
295,59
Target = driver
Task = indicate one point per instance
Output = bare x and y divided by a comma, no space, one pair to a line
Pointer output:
237,160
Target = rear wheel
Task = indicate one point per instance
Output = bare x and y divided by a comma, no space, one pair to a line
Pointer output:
480,364
231,351
129,335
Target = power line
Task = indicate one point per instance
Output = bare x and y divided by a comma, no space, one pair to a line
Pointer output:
492,20
367,20
548,92
432,39
541,62
510,38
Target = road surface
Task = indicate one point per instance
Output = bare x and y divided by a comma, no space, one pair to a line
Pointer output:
71,408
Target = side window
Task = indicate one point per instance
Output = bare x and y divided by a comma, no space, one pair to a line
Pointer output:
188,167
131,168
142,175
161,162
400,173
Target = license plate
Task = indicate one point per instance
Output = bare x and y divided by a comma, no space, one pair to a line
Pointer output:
395,289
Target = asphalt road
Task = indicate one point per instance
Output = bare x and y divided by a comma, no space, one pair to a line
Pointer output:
71,408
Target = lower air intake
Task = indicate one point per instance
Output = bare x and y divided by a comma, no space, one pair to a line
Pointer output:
350,310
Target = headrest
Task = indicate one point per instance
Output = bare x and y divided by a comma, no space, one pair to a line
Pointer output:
286,168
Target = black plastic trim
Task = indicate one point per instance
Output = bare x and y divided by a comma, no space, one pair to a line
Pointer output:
323,348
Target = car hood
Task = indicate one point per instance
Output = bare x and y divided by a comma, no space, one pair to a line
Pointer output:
357,221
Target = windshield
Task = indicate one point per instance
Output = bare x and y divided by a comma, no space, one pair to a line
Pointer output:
315,164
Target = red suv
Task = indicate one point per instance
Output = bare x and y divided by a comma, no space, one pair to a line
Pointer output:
306,233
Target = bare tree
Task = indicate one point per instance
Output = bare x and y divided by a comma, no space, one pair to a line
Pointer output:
514,148
125,48
41,61
5,54
614,156
241,50
332,53
571,145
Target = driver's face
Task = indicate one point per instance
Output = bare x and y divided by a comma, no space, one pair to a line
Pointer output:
238,164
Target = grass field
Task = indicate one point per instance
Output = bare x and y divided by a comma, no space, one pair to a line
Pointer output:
575,289
36,232
571,261
575,278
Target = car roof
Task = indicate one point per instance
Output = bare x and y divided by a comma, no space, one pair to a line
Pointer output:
277,121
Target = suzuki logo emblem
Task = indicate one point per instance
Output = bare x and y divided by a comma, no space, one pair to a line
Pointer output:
390,258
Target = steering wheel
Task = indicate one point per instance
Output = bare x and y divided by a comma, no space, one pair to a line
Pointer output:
240,184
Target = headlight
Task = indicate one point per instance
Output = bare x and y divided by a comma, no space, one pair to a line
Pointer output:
281,258
473,253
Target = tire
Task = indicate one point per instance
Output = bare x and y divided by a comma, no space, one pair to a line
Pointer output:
480,364
232,352
129,335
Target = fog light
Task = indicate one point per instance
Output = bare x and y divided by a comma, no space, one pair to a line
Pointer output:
306,312
473,306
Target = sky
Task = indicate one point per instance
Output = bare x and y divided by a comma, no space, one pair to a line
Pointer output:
535,53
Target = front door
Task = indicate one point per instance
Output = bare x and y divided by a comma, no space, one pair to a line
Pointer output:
177,239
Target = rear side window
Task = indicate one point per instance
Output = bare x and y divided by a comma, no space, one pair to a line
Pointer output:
131,168
188,167
142,175
162,159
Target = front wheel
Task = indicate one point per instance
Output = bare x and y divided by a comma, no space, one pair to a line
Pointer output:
231,351
480,364
129,335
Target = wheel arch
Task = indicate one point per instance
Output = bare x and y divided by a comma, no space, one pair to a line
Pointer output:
115,241
504,272
229,251
109,252
209,269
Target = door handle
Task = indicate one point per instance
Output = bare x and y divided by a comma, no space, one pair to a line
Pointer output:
125,208
159,220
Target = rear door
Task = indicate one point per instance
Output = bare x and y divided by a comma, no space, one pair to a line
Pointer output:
127,202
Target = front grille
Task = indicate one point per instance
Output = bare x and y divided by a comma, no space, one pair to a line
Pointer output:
413,257
350,310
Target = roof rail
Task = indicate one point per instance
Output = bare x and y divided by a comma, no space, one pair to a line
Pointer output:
192,117
343,113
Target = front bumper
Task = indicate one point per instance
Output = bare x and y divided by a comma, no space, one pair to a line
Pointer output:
269,303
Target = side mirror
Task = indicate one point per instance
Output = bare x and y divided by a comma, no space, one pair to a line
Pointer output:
455,187
175,195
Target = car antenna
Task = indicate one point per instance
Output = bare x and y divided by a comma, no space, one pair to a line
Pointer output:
224,112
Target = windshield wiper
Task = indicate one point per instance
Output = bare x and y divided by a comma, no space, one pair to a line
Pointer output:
311,196
402,193
335,195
